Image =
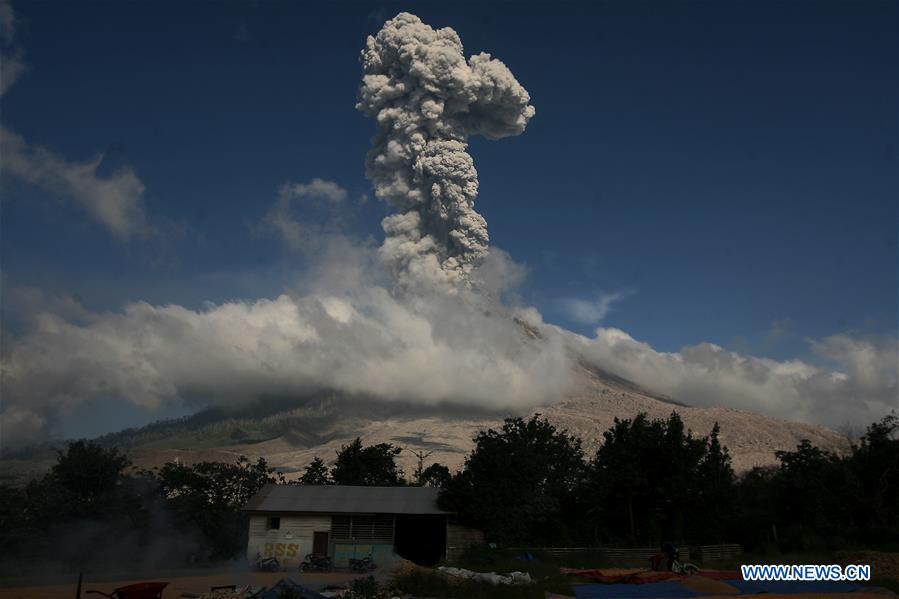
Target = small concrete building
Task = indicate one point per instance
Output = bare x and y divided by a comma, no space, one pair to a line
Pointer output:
289,521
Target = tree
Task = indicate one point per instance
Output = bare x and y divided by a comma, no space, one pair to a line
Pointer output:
803,494
646,480
210,495
715,490
86,496
518,482
87,481
316,473
89,471
621,475
875,463
756,515
374,465
818,500
435,475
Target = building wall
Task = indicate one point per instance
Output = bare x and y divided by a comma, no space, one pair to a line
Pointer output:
459,538
290,543
359,536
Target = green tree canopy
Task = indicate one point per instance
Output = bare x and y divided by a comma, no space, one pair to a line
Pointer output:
436,475
316,473
518,480
651,480
210,495
374,465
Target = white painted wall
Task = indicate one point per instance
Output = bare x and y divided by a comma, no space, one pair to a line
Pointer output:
290,543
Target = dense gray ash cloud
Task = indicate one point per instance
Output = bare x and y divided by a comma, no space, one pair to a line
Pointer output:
427,100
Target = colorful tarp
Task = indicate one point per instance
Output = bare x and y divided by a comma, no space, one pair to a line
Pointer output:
652,590
642,576
791,587
685,588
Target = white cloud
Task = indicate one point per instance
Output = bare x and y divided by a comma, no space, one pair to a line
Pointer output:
116,201
318,189
861,388
346,333
12,66
591,311
281,219
340,328
12,62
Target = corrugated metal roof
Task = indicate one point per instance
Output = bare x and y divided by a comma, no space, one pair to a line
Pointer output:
337,499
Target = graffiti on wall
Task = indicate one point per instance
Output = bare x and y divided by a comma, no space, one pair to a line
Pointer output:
280,549
289,553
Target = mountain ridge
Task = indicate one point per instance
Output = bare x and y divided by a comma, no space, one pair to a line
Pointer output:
588,410
289,432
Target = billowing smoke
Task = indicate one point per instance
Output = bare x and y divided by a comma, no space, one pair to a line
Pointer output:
342,330
428,100
341,326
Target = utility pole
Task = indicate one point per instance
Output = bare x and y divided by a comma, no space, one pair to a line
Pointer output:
422,456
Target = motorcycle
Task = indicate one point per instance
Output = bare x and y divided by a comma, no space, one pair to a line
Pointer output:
316,563
364,564
684,568
669,559
267,564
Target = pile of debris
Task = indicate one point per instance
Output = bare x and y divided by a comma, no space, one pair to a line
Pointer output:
236,592
283,588
488,577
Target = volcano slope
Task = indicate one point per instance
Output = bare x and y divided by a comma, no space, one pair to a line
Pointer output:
290,438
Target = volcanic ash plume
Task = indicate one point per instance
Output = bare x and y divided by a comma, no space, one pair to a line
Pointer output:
427,100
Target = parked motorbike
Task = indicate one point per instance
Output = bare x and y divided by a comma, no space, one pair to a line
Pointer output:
316,563
364,564
267,564
669,559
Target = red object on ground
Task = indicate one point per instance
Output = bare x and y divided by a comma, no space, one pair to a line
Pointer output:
635,577
141,590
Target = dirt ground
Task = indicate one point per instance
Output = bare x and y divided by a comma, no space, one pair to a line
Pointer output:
179,585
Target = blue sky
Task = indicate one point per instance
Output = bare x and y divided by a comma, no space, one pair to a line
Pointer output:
728,169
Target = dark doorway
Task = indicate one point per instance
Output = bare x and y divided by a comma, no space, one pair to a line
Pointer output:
420,539
320,543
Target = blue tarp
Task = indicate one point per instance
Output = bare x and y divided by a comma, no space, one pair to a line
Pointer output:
675,589
652,589
754,587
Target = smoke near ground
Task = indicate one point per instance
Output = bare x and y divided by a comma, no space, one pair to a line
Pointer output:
420,319
427,100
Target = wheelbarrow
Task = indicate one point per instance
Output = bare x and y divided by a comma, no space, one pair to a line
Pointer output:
141,590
